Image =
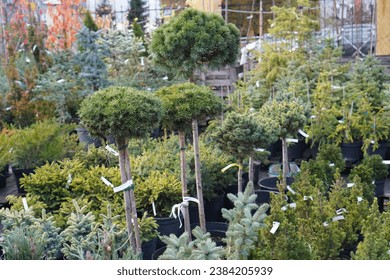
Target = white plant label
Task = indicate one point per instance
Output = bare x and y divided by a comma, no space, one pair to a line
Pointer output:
359,199
372,142
142,61
303,133
293,205
25,205
312,116
259,149
341,121
190,199
341,211
105,181
275,226
69,181
154,208
10,150
325,224
307,197
331,164
258,84
284,208
123,186
386,162
291,140
338,218
350,185
111,150
290,189
60,81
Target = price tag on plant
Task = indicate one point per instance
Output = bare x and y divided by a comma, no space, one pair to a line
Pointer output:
350,185
331,164
284,208
341,211
111,150
154,208
359,199
386,162
293,205
291,140
259,149
108,183
338,218
303,133
275,226
124,186
325,224
290,189
307,197
25,205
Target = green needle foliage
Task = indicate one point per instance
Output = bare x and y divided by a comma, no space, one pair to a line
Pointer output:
193,40
200,248
245,220
121,112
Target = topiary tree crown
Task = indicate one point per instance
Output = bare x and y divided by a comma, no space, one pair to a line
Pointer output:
193,40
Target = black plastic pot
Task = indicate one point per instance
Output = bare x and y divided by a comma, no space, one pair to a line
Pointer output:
296,150
158,252
212,209
264,196
166,226
3,177
19,173
352,152
381,150
148,248
379,187
271,183
86,139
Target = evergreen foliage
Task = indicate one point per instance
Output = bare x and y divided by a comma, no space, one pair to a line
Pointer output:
245,220
376,242
200,248
194,40
121,112
89,22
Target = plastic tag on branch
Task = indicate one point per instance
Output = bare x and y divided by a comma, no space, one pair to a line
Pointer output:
69,181
307,197
126,186
25,205
325,224
154,208
111,150
259,150
291,140
350,185
331,164
359,199
303,133
108,183
341,211
386,162
290,189
338,218
275,226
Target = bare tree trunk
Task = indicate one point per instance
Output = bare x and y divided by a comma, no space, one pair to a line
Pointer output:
284,158
184,190
251,174
240,188
130,207
198,177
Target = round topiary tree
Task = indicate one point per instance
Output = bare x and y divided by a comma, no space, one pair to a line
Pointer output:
241,134
184,104
290,115
123,113
194,40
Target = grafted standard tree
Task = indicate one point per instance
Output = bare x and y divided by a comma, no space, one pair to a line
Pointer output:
123,113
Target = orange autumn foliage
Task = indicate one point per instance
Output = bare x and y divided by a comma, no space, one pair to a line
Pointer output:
66,19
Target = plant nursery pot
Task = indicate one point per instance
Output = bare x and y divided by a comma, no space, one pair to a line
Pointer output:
86,139
271,183
166,226
3,176
212,209
233,190
217,231
352,152
381,150
379,187
19,173
295,151
148,248
158,252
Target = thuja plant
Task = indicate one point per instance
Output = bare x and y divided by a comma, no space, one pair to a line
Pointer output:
123,113
202,247
289,115
376,242
186,104
240,134
245,220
